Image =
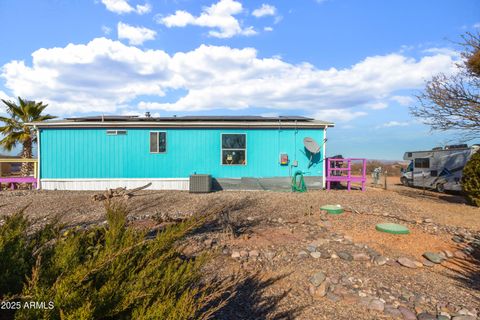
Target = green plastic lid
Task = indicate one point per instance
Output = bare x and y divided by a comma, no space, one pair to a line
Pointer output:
332,208
392,228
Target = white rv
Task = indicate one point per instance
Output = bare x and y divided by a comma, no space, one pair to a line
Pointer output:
440,168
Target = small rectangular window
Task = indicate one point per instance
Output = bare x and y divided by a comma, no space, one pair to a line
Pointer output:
423,163
234,149
158,142
116,132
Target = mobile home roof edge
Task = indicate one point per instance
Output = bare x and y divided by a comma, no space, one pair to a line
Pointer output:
183,124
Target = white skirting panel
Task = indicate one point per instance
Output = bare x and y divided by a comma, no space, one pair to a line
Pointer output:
103,184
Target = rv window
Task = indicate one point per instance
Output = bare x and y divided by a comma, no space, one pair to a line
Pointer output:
158,142
234,149
422,163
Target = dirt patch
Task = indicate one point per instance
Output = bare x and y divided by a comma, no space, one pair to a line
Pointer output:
413,244
267,238
283,239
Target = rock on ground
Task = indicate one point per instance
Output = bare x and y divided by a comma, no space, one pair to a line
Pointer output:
376,305
380,260
426,316
361,257
407,313
433,257
345,256
407,263
318,278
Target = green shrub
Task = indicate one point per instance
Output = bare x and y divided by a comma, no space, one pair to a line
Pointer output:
471,180
112,272
17,248
15,254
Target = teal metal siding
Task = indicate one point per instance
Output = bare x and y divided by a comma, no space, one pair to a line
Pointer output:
91,153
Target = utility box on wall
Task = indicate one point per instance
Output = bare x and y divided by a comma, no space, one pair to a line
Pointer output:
284,159
200,183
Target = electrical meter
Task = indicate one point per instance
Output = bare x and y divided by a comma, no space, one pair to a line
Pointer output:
283,159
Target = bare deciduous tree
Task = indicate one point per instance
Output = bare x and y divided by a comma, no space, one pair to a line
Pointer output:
452,102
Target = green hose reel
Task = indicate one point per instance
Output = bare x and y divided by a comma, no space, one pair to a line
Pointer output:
298,183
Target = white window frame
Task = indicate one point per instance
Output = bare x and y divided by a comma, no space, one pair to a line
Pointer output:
158,142
114,132
221,149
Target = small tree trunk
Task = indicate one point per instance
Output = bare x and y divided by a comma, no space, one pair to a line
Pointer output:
27,167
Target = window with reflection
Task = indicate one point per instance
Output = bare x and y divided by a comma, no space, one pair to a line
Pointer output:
158,142
234,149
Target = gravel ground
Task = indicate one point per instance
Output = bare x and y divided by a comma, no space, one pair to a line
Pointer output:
283,239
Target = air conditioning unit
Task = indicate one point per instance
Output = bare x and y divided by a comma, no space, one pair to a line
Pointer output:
200,183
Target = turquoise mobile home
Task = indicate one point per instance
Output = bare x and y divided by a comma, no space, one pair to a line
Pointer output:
95,153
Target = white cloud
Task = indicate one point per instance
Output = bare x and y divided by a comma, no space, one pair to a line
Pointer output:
135,35
179,19
270,114
6,97
446,51
403,100
404,48
100,76
390,124
477,25
143,9
122,6
265,10
243,80
341,115
219,16
249,31
268,29
377,105
107,76
106,30
118,6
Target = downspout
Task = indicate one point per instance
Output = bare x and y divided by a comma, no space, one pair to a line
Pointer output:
278,137
324,147
296,133
38,151
278,141
295,149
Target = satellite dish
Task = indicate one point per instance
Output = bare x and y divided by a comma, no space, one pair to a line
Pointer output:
311,145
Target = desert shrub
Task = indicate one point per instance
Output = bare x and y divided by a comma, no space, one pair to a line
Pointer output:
15,254
114,272
471,180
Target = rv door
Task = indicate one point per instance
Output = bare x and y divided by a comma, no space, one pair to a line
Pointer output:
421,172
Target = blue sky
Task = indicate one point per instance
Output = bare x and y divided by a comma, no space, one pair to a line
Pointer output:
356,63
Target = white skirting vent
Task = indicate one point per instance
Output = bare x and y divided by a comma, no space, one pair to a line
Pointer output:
103,184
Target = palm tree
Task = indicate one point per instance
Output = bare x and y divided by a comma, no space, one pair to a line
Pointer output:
16,131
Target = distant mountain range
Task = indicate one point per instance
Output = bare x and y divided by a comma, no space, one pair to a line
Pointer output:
391,161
